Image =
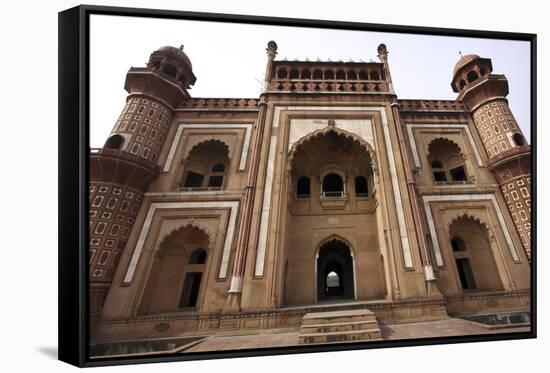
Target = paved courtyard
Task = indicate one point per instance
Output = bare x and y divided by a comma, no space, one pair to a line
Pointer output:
438,328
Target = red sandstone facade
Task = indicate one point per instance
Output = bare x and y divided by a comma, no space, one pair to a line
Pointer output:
221,214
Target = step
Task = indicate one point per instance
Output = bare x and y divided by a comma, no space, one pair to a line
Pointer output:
338,327
349,336
314,318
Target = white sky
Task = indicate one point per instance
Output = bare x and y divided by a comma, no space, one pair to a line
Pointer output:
229,60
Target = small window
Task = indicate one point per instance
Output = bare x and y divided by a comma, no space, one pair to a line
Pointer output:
197,257
439,176
170,70
462,84
472,75
114,142
518,139
340,75
374,75
329,75
193,180
306,74
294,74
215,181
317,74
218,167
302,189
458,244
361,187
282,74
352,75
333,186
363,75
458,174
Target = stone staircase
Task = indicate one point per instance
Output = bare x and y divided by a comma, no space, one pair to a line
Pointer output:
339,326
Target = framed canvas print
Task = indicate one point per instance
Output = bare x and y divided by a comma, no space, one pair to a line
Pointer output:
234,186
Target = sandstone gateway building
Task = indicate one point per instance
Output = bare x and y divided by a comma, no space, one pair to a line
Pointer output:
326,193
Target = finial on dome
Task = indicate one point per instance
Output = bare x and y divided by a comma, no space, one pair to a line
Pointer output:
382,52
181,47
271,48
331,122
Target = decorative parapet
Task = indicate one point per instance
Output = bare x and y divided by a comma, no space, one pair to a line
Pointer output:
431,105
220,104
333,77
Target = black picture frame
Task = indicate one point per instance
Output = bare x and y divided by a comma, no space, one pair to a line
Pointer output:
74,113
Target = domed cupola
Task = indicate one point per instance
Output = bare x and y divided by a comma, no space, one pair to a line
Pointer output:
167,77
173,63
470,69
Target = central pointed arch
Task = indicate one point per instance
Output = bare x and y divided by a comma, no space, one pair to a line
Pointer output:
332,129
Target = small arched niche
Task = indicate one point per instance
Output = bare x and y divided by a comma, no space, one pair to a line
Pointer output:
114,142
170,70
519,140
472,76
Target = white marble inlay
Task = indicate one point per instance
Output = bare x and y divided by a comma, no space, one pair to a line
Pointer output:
266,208
300,128
465,127
232,205
266,205
465,197
182,126
236,284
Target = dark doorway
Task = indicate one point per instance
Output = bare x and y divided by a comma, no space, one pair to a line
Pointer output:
335,272
190,290
465,273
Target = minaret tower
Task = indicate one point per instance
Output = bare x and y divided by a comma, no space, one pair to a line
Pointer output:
121,171
484,94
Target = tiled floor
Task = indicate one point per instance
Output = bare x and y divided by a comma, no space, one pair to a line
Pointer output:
439,328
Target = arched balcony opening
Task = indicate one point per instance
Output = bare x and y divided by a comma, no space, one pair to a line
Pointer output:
446,161
206,166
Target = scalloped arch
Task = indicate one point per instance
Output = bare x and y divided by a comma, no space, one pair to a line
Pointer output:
445,139
334,237
468,216
340,132
189,225
208,142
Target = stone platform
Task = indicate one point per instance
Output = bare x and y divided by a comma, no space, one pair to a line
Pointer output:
289,318
339,326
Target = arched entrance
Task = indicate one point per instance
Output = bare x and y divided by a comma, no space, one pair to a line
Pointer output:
177,272
335,271
473,257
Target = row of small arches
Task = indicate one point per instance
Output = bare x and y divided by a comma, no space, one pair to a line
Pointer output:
318,74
